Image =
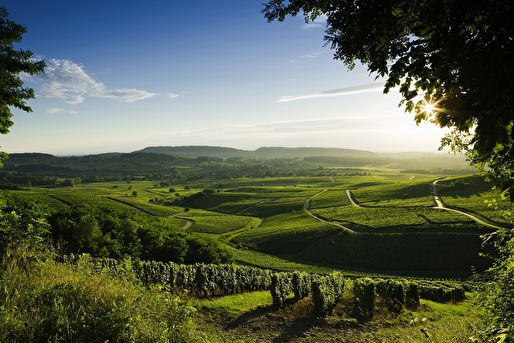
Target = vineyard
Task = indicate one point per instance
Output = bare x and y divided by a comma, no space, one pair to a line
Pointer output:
374,254
383,222
202,281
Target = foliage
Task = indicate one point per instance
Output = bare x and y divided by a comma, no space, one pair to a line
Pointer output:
49,302
326,291
13,63
408,235
497,295
208,280
111,232
206,250
452,63
23,231
453,66
281,287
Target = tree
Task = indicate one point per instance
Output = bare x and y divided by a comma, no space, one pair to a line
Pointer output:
13,63
88,234
451,61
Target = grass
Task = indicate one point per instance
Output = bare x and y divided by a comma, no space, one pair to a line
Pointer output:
56,302
396,206
396,253
234,304
400,193
266,261
248,318
285,233
434,323
216,223
383,219
478,197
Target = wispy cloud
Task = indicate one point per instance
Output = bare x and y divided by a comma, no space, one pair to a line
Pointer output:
172,96
331,127
336,92
359,132
67,80
319,22
54,110
314,54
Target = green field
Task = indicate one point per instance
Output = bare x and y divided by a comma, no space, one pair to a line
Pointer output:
309,220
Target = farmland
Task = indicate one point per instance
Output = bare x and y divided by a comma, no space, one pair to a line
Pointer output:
276,249
363,220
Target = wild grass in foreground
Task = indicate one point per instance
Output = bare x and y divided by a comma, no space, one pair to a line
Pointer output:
48,302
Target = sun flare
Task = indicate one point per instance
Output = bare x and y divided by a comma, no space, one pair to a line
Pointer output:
429,107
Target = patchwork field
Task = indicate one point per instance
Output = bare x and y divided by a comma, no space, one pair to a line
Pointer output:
376,221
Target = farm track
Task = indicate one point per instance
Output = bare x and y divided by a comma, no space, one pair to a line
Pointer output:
232,234
441,206
349,194
131,205
189,222
307,209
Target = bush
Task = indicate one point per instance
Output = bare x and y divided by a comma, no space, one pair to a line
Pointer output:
61,303
23,231
497,295
206,250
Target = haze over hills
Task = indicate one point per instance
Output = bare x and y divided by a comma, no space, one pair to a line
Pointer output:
223,161
284,152
262,152
328,156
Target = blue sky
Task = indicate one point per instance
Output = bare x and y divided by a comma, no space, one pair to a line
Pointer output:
124,75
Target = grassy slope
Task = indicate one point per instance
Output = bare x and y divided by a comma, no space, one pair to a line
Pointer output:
394,204
248,318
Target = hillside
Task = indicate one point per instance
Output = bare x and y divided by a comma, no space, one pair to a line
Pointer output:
164,163
196,151
263,152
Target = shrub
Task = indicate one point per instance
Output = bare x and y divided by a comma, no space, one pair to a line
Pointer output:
364,291
63,303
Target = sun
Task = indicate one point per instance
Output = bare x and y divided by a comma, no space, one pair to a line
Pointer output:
429,106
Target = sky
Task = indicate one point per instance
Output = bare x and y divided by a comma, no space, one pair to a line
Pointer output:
125,75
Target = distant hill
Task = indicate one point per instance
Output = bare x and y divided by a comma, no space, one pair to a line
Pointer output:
164,162
263,152
197,151
279,152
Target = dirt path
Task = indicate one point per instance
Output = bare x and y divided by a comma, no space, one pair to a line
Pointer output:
307,209
349,194
441,206
249,207
189,222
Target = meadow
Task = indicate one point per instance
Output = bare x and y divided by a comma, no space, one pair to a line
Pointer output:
392,226
361,223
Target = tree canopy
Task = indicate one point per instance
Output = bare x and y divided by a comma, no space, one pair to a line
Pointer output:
14,62
453,64
451,61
